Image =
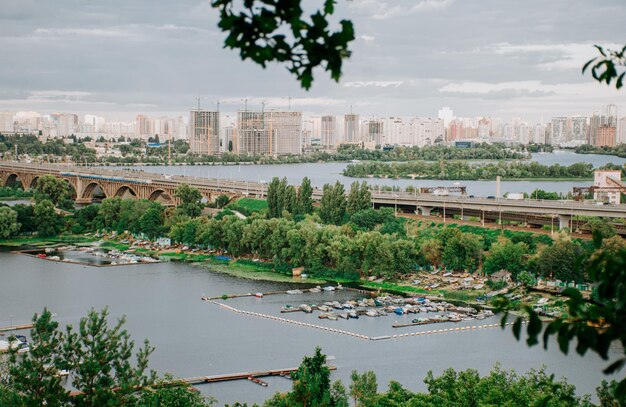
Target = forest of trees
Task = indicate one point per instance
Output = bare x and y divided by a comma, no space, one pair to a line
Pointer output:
463,170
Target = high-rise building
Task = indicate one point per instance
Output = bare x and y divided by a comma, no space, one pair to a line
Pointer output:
252,135
6,122
446,114
329,136
285,132
352,131
204,132
144,126
621,131
605,136
559,133
579,130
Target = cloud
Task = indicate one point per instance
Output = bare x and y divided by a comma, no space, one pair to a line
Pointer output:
564,56
129,31
376,84
381,10
532,88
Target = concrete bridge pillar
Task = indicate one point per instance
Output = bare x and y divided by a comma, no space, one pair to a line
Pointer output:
564,221
425,210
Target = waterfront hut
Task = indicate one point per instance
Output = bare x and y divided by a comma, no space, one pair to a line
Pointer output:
502,275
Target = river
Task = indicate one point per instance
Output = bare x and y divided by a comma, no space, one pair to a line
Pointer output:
323,173
193,337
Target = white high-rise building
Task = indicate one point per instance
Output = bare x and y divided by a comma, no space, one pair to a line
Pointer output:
446,114
6,122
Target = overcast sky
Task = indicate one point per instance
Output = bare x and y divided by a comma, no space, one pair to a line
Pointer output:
480,57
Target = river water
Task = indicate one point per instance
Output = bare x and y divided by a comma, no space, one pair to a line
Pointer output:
323,173
194,337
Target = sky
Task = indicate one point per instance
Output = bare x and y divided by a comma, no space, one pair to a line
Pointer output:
502,58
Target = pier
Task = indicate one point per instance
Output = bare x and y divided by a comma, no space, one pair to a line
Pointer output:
20,327
252,376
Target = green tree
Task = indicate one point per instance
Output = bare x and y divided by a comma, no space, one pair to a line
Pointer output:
359,198
562,260
151,222
257,29
9,226
163,394
610,65
190,200
364,388
273,204
222,200
305,197
592,324
100,357
601,226
47,221
311,386
333,204
506,255
463,251
34,377
51,188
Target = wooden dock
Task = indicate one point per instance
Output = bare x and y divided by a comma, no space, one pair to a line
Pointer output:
15,327
243,376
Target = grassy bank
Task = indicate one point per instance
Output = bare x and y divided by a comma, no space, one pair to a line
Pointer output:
250,272
46,241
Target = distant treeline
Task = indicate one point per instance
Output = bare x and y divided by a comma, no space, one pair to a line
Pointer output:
463,170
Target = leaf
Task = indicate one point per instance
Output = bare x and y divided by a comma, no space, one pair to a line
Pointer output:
517,326
615,366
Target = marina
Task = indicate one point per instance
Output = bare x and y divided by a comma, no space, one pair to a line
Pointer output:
162,300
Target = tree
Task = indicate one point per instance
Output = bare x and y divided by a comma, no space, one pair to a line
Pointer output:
222,200
359,198
601,226
47,221
311,386
273,198
34,376
608,66
190,200
151,222
9,226
364,388
257,29
100,356
463,251
51,188
163,394
333,204
562,260
594,324
305,197
506,255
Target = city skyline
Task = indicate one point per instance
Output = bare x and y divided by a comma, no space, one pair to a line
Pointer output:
409,56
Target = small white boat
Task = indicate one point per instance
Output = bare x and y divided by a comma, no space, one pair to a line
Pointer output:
19,343
371,313
329,288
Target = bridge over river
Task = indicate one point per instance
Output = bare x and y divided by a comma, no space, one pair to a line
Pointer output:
92,183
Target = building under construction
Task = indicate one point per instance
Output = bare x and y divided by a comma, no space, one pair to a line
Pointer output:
204,132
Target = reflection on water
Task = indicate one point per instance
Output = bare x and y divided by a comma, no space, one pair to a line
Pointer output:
193,337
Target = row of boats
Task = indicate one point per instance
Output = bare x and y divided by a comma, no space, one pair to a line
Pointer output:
382,306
